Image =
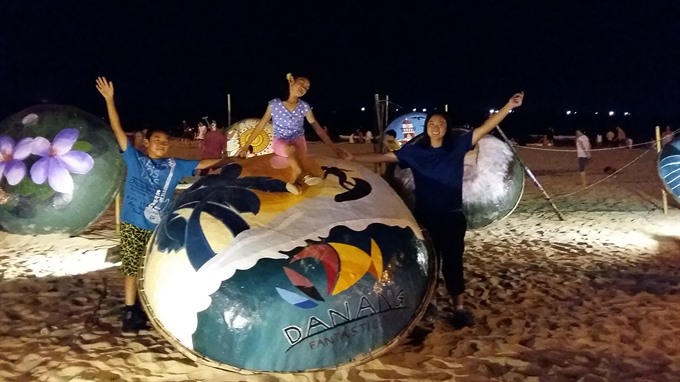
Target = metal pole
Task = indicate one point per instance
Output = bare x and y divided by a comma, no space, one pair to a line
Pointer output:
377,167
531,175
378,114
664,197
228,111
387,110
381,135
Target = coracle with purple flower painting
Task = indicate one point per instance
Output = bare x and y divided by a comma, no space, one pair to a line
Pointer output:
59,170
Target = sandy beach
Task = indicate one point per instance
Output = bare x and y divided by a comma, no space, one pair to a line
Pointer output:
595,297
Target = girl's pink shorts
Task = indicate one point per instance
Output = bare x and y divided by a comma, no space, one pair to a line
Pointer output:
279,145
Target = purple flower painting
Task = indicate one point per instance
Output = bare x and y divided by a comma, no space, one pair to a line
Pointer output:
59,161
12,166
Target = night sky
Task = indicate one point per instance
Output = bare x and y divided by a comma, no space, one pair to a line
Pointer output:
172,62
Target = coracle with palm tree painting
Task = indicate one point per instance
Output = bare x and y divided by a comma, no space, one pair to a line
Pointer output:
243,275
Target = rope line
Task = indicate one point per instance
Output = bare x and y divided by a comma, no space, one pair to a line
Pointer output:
605,178
652,142
573,150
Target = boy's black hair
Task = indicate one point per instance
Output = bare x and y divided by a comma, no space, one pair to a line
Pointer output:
150,132
391,132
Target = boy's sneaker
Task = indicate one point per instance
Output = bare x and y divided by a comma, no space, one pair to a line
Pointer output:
134,319
311,180
461,318
293,188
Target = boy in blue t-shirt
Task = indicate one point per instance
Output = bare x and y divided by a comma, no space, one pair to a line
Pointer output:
149,185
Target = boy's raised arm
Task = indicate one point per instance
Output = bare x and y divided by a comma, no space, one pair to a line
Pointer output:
106,89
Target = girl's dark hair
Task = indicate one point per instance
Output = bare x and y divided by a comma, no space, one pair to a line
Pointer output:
448,137
285,86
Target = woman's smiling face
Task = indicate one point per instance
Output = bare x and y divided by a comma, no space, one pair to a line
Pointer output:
436,128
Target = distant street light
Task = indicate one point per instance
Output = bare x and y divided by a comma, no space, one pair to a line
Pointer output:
611,113
626,113
414,109
363,109
568,112
424,110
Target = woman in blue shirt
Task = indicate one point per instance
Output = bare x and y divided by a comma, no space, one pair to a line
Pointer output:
437,163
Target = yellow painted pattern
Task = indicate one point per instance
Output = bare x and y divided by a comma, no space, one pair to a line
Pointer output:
274,203
240,131
354,264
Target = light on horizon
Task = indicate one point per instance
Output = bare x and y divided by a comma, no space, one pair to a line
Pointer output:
626,113
414,109
568,112
363,109
596,113
424,110
611,113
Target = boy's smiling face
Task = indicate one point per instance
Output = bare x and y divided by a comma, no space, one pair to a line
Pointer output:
157,145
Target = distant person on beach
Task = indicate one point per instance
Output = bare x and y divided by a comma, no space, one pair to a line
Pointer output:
212,147
667,136
550,137
360,135
188,133
369,136
583,154
437,163
620,137
184,130
149,185
288,115
200,131
610,138
391,142
138,140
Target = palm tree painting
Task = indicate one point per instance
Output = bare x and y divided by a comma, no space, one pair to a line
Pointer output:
225,197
